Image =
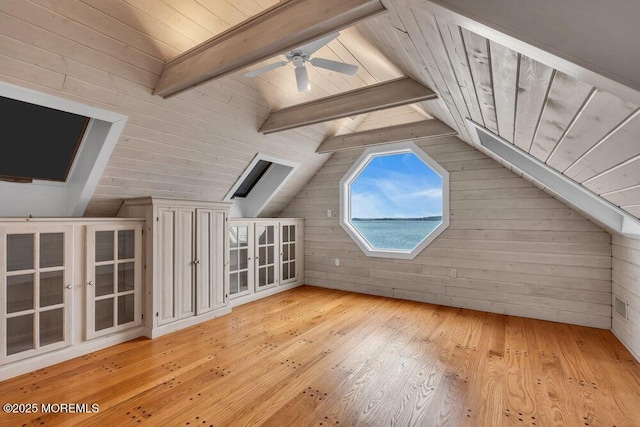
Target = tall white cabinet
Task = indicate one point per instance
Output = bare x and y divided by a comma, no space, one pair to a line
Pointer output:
184,261
265,257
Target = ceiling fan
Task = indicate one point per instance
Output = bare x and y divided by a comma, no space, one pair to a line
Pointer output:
302,55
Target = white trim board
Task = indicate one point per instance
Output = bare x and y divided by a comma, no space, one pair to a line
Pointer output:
345,198
576,195
63,199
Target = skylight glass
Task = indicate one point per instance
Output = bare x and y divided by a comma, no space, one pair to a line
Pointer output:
43,141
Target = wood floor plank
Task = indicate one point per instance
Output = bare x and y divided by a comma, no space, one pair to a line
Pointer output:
314,356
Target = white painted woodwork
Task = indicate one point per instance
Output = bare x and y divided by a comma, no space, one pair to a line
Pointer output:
578,37
603,213
185,262
602,113
426,129
380,96
117,293
626,285
480,63
565,98
15,301
109,55
516,250
78,340
166,276
547,107
194,145
184,255
276,30
287,262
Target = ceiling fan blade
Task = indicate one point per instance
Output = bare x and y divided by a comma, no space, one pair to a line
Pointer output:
266,68
340,67
309,48
302,78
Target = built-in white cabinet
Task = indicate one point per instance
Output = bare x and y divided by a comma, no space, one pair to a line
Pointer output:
240,263
184,260
65,284
36,283
265,256
114,279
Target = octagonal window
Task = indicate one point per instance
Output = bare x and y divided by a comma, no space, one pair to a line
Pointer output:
394,201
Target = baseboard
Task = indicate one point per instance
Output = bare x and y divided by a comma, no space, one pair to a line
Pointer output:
185,323
20,367
262,294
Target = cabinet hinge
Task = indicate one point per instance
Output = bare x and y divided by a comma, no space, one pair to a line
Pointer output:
142,316
157,314
157,219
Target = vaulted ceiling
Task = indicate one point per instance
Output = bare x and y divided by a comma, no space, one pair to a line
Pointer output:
110,54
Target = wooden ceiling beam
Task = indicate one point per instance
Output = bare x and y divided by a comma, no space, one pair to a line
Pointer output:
426,129
276,30
383,95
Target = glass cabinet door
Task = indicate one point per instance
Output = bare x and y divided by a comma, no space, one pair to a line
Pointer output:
36,283
288,253
240,277
113,278
266,259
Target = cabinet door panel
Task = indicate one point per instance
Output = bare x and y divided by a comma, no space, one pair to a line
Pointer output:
35,289
204,266
289,236
185,259
114,292
266,262
166,276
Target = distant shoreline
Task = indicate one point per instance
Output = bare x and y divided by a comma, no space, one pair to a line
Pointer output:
424,218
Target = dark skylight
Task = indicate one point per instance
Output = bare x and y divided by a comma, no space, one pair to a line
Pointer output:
38,142
252,178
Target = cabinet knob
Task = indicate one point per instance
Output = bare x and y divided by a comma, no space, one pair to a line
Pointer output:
91,283
69,286
196,261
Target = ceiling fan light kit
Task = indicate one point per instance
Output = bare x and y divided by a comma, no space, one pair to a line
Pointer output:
300,56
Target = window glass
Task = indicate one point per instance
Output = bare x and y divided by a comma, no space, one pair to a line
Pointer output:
397,201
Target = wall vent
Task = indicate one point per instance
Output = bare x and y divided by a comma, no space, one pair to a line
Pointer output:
620,307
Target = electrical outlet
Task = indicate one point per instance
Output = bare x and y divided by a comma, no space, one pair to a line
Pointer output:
329,213
453,273
336,262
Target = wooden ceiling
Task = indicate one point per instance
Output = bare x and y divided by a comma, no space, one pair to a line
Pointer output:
577,129
110,54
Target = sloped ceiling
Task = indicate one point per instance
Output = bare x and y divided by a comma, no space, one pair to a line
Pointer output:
110,53
586,133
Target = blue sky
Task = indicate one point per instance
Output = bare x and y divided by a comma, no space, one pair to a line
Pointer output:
396,186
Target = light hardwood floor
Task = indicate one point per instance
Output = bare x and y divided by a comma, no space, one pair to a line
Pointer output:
315,356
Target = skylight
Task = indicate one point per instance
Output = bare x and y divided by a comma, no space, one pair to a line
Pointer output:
258,184
59,149
44,141
252,179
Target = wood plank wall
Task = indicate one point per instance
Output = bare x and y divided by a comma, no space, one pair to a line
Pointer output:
626,285
516,250
110,53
